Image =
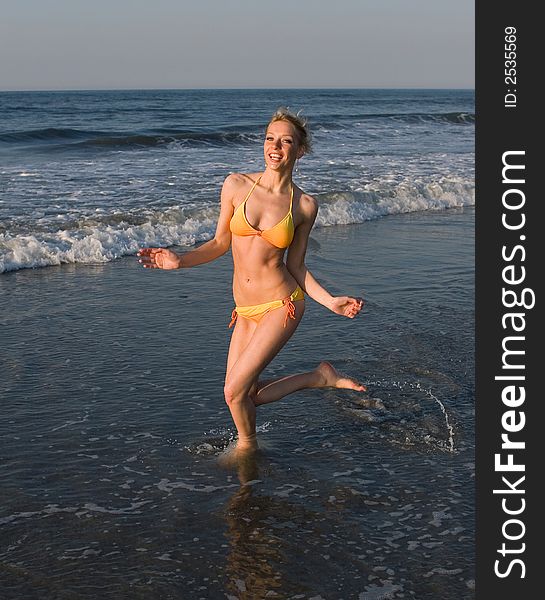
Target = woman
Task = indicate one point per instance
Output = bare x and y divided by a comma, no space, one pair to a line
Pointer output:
262,215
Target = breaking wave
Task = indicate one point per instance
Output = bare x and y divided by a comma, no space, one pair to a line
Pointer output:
92,240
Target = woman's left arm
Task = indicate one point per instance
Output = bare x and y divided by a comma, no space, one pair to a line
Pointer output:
347,306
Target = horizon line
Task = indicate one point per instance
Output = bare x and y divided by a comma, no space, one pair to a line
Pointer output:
195,89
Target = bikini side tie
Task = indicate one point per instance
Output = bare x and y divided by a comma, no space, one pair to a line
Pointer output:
290,309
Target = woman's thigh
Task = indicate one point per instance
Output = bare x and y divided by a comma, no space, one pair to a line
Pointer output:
266,341
242,333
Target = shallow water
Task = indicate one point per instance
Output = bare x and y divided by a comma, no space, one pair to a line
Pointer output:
113,421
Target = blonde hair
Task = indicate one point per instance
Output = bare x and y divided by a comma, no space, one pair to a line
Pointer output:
300,124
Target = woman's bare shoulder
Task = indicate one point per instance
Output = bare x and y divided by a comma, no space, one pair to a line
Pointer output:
239,180
308,205
235,186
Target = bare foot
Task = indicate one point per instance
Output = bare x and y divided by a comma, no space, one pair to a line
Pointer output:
330,377
235,455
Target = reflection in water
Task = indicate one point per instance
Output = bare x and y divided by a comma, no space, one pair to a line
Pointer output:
253,549
260,531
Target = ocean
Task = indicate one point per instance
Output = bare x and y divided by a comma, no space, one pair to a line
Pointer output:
87,177
112,375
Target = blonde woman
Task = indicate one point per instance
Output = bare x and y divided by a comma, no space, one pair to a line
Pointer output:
266,219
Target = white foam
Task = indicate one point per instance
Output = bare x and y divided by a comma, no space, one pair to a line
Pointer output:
384,198
386,589
95,240
94,245
166,485
93,507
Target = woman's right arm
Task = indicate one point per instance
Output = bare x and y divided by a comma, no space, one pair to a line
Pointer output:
163,258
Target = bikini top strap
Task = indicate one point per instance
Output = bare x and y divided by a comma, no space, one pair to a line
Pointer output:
252,189
291,197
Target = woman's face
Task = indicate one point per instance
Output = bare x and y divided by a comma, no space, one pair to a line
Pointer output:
281,147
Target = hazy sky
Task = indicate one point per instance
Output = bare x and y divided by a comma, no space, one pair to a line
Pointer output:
112,44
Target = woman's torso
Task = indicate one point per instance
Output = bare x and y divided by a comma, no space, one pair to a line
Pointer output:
260,274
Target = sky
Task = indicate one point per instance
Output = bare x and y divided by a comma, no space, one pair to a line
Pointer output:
142,44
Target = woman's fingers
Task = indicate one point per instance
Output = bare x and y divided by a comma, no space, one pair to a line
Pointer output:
148,257
357,301
354,306
148,251
148,264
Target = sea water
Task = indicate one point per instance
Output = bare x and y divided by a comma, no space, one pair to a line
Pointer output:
113,417
87,177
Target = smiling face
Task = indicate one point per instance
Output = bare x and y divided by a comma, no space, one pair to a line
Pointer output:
281,147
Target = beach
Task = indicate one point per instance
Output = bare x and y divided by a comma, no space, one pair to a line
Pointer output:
114,422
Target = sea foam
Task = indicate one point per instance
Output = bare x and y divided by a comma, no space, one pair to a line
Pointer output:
92,242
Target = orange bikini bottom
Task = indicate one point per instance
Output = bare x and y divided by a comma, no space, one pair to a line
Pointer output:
256,312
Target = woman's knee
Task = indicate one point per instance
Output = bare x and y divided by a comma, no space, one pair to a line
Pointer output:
237,391
229,393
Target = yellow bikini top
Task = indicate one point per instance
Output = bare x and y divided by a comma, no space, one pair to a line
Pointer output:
280,235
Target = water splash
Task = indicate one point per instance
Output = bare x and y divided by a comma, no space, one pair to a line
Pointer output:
404,385
217,440
450,429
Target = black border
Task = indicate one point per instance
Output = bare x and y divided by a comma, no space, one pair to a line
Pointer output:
500,129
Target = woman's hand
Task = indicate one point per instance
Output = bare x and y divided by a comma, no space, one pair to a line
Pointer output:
158,258
346,306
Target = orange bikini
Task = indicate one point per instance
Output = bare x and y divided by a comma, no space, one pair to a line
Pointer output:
281,236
